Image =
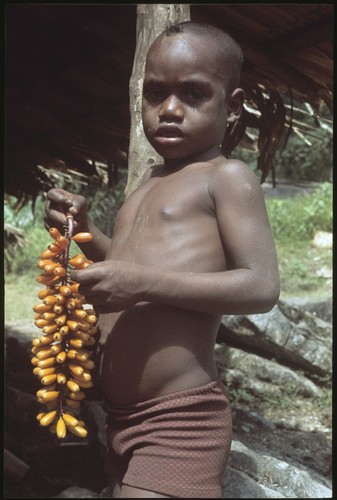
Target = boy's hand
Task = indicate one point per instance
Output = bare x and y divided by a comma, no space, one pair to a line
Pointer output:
109,286
59,202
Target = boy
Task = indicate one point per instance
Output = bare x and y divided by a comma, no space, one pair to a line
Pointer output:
190,244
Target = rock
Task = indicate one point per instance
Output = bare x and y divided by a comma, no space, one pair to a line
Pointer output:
304,318
98,414
321,308
259,376
322,239
18,344
105,493
75,492
293,337
256,475
23,330
14,468
309,423
237,484
301,439
16,399
324,272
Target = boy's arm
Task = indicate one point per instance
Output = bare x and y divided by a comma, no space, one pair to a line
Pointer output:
251,285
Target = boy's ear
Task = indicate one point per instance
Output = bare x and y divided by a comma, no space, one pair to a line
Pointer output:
235,105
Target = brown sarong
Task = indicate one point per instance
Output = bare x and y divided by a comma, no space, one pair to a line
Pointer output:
177,444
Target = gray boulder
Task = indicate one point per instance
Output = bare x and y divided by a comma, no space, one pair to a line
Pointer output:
319,307
76,492
294,337
256,475
261,377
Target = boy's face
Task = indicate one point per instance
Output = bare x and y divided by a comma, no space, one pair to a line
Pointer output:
184,100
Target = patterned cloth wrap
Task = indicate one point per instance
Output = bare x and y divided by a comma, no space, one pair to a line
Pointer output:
177,444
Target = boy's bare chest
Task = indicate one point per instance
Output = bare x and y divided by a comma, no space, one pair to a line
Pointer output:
162,211
164,201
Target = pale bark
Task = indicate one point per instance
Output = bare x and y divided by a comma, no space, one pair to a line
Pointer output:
152,19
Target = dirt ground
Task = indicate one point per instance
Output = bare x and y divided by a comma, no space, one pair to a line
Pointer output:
302,437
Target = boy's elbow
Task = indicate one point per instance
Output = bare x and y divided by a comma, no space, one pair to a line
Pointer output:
269,298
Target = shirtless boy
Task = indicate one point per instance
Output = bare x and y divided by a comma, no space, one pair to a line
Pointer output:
190,244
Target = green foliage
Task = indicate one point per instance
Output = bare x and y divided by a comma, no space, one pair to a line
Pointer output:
283,399
304,162
294,221
307,154
239,395
104,203
14,239
27,256
21,291
299,217
300,264
21,257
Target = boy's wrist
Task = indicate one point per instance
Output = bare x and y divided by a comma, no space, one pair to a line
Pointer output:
150,284
143,282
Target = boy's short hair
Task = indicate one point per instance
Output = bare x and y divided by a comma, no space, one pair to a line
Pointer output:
229,56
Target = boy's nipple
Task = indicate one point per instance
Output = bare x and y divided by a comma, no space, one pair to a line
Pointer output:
166,213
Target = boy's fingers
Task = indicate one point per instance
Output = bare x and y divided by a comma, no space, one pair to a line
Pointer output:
76,206
56,217
64,202
57,198
84,275
72,210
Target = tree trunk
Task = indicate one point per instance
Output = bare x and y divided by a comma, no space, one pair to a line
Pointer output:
152,19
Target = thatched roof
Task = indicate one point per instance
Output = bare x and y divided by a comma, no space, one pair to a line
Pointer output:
68,69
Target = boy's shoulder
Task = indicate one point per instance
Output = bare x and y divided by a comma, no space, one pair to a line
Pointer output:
229,172
152,172
233,175
232,169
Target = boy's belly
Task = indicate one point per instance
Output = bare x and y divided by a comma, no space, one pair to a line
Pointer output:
152,350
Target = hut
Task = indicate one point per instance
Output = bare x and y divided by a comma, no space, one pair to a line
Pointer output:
68,68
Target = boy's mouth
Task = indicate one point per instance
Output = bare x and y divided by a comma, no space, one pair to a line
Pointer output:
169,132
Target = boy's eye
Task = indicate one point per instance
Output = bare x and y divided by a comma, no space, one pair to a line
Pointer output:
196,95
154,94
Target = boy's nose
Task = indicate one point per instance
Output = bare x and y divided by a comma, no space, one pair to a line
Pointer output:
171,109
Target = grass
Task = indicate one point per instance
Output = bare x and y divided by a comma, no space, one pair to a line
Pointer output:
300,264
295,221
21,296
282,401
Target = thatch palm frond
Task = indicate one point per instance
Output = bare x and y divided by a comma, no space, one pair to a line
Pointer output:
13,237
